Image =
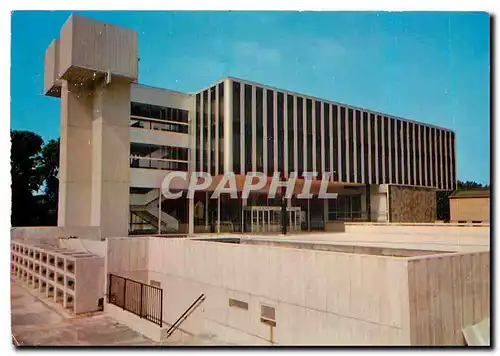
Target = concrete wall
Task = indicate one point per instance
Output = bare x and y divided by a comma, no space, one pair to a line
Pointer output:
320,297
361,301
447,294
379,211
160,138
54,232
97,46
51,62
97,248
470,209
444,230
127,254
162,97
412,204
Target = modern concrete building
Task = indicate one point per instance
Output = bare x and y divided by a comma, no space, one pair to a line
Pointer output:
119,138
471,205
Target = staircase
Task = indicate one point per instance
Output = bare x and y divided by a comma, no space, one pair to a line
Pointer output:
142,212
145,206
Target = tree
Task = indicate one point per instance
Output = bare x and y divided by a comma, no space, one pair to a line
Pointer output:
49,168
26,177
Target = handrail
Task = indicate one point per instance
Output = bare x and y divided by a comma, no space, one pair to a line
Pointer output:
184,315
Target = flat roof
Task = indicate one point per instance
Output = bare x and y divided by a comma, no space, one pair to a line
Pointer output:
471,193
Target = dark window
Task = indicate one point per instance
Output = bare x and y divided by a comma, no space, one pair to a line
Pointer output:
432,155
379,148
205,131
342,118
420,177
248,128
281,133
221,128
405,153
393,151
260,130
197,123
236,129
398,150
335,138
387,153
140,112
291,130
317,137
453,167
359,147
439,157
410,150
328,137
350,145
309,136
428,155
448,160
373,138
300,137
365,145
213,125
270,133
158,157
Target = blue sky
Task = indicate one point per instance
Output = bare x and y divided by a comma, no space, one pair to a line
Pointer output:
429,67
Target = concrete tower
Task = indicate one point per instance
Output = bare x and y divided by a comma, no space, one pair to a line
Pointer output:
91,68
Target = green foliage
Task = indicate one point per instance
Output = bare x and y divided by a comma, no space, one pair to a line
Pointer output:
34,186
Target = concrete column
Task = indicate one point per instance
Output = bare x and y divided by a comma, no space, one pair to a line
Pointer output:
110,158
191,216
325,210
75,161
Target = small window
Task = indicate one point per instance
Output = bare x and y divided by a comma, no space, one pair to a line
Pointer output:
155,283
268,315
238,304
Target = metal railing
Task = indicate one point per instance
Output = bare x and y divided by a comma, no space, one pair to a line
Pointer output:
139,298
185,315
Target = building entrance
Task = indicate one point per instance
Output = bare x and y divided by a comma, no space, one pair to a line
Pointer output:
268,219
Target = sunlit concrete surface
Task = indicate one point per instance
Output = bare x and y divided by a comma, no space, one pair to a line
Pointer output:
410,238
35,324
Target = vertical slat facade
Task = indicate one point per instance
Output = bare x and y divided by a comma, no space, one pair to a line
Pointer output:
276,130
